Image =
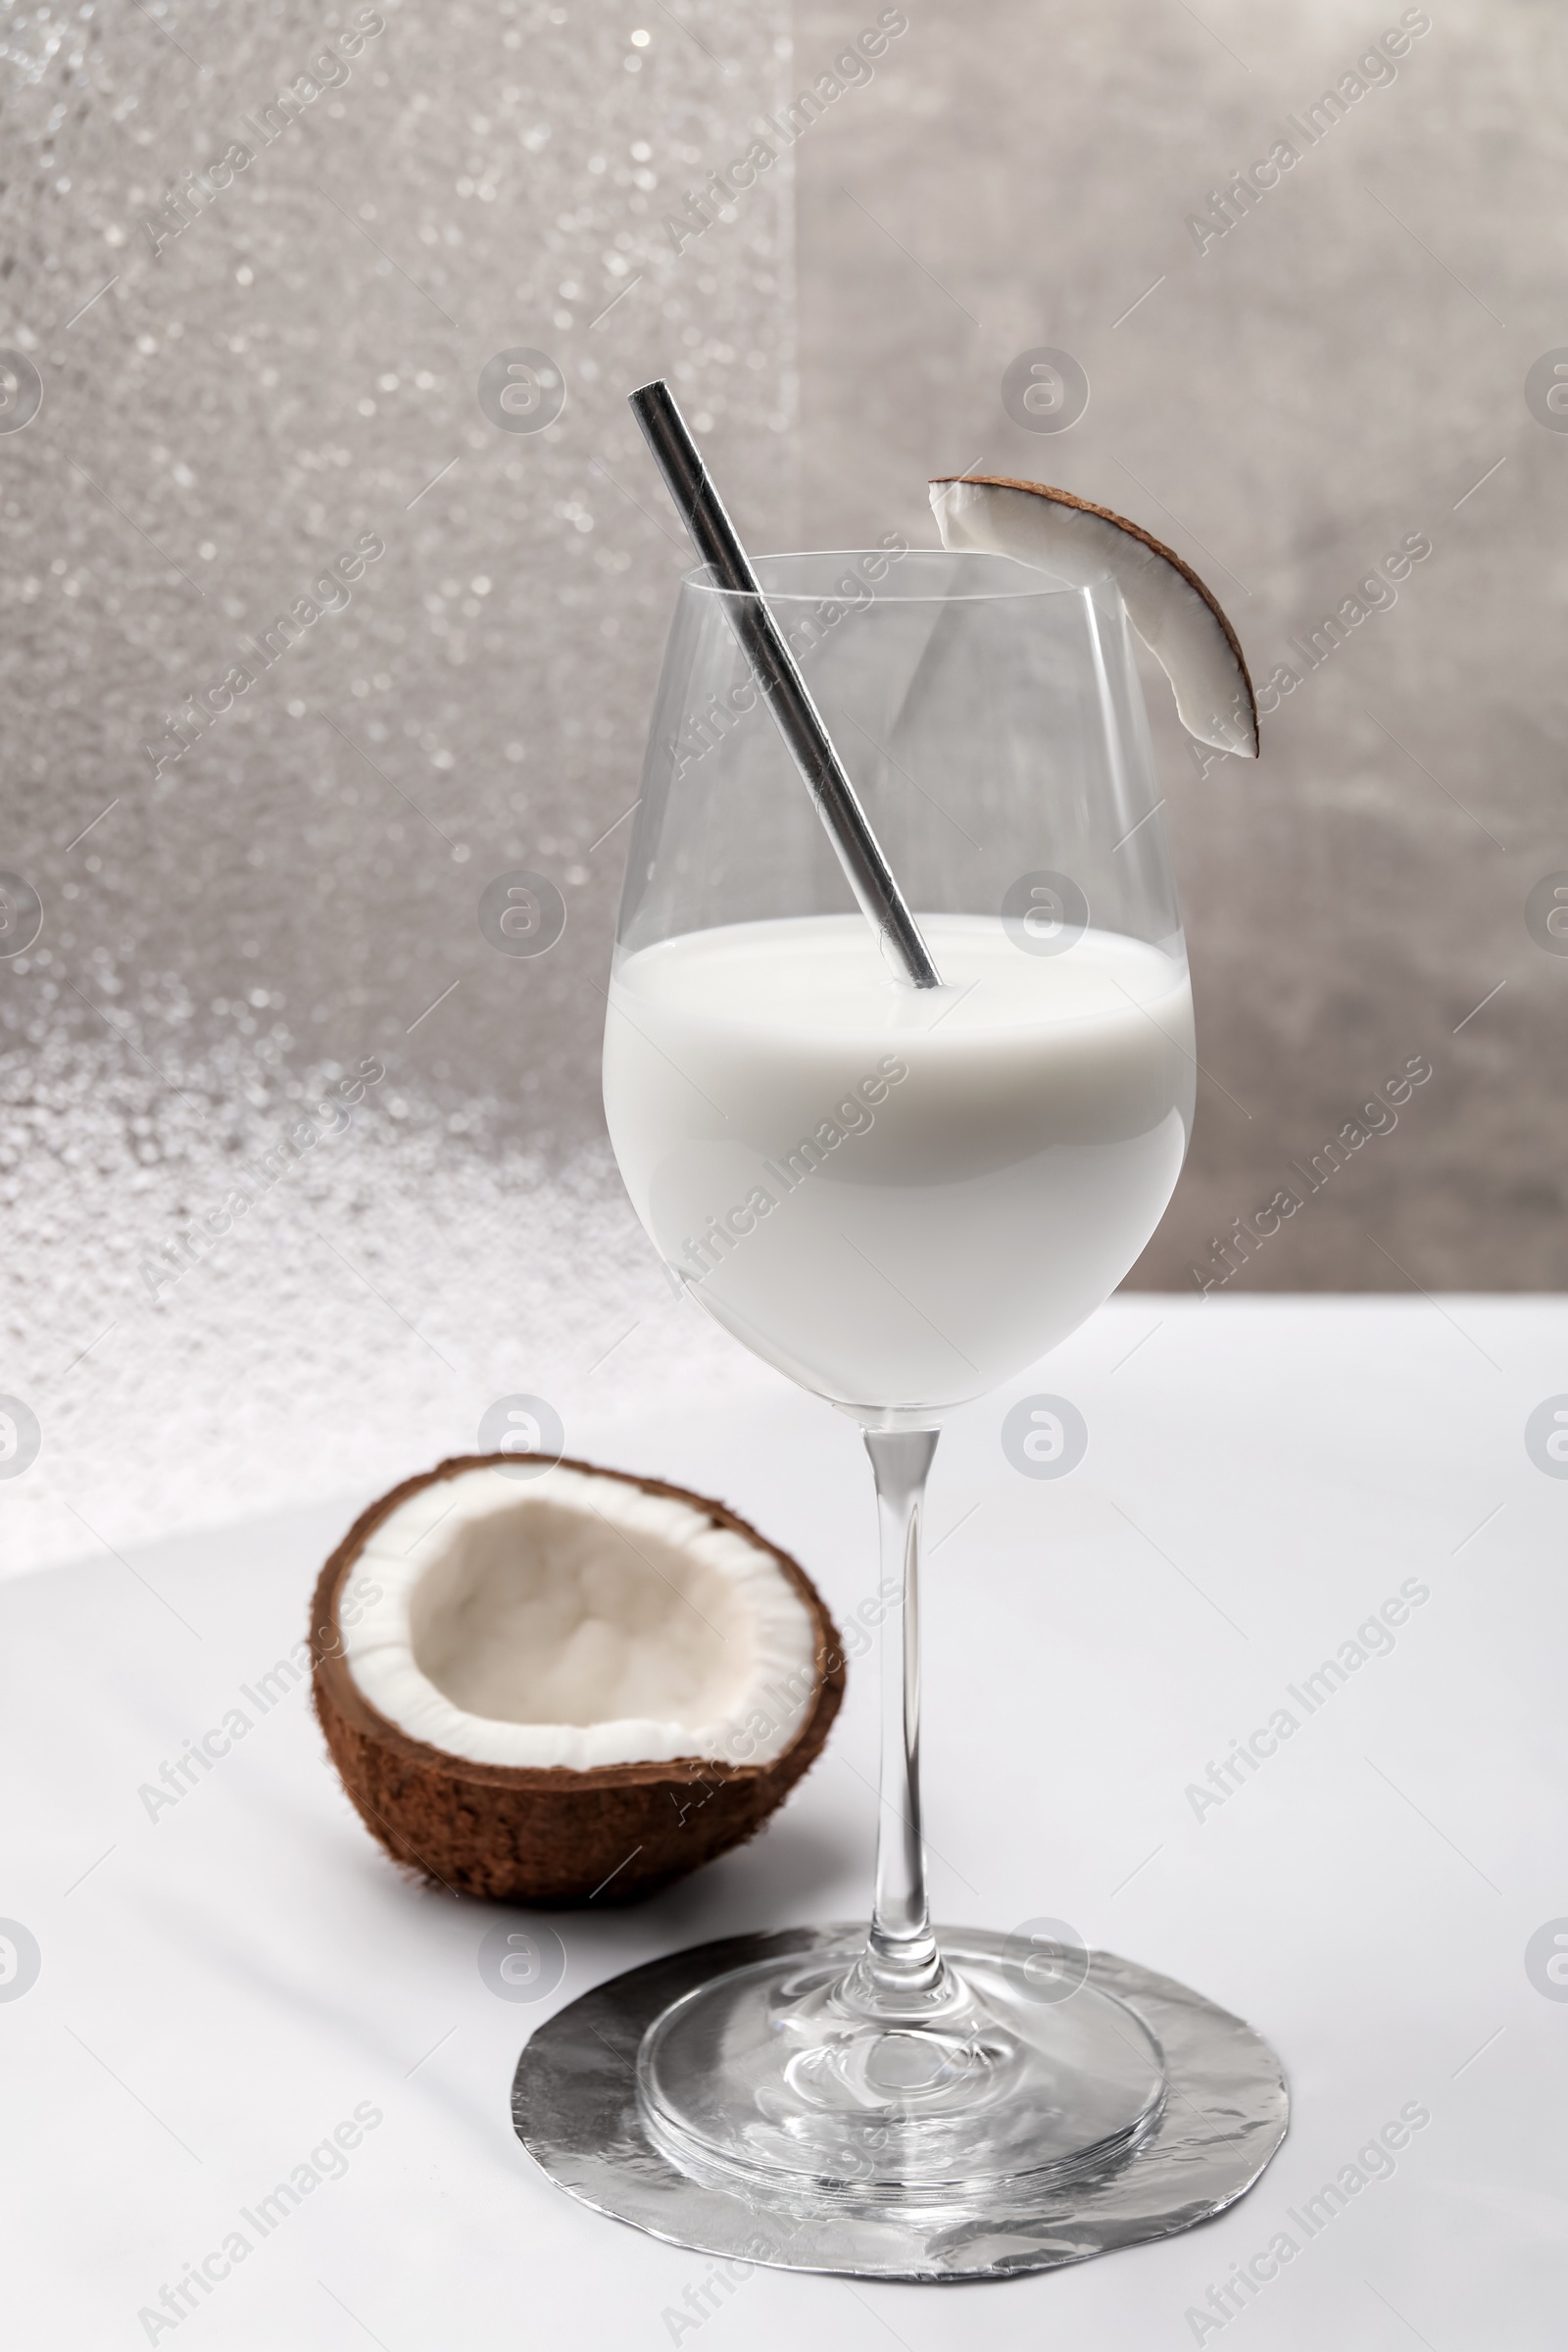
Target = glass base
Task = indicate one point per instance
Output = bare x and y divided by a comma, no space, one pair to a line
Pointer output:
577,2108
791,2076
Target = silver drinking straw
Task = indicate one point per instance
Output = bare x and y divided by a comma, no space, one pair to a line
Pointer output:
778,673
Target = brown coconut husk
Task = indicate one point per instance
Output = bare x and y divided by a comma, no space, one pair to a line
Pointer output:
552,1838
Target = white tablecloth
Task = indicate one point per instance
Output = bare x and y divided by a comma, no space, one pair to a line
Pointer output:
228,1978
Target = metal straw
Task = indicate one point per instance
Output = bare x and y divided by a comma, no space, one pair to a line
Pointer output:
778,674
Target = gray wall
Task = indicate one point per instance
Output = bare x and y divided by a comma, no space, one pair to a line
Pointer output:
1335,372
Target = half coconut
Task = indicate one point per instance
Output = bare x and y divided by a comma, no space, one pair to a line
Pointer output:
559,1685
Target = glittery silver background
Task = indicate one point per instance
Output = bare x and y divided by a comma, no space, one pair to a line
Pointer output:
226,412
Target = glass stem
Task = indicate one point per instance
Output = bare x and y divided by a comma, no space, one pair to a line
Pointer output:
902,1973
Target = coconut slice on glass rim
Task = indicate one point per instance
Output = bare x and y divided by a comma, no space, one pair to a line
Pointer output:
1174,614
556,1684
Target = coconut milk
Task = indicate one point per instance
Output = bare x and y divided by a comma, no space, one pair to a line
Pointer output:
899,1198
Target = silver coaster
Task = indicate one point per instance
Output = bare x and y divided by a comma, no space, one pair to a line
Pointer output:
574,2108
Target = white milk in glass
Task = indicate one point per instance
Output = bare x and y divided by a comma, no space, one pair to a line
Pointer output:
900,1198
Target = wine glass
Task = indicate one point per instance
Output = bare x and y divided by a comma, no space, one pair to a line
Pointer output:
901,1198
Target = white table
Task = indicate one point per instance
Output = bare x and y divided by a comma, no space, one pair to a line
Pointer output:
223,1984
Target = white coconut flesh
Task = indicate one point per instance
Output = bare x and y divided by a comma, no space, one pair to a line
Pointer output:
572,1620
1180,622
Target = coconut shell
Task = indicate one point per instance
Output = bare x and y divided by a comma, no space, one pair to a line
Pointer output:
521,1834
